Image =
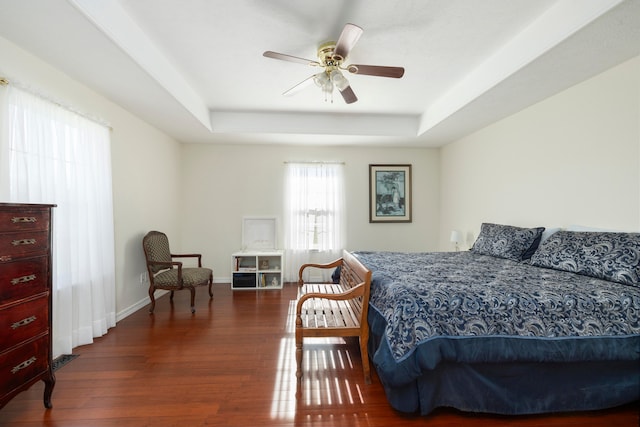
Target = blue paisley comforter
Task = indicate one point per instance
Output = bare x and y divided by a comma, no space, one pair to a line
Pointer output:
466,307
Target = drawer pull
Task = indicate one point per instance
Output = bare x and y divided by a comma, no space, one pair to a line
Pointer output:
23,365
23,322
17,219
23,279
24,242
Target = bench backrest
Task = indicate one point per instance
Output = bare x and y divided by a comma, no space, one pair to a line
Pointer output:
352,273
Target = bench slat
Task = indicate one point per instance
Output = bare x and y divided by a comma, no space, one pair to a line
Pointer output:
318,313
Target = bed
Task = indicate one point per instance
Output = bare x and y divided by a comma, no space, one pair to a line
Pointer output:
513,326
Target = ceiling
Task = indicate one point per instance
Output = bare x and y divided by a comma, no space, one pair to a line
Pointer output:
194,68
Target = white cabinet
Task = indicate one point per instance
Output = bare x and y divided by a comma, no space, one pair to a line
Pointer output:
256,270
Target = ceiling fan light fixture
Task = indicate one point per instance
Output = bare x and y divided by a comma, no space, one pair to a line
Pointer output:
339,80
324,82
321,79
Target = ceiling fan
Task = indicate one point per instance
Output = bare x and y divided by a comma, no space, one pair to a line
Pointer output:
331,56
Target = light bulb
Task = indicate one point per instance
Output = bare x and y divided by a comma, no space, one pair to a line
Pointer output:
339,80
321,79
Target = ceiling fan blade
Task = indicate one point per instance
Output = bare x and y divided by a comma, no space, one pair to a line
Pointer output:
290,58
348,95
297,88
348,38
376,70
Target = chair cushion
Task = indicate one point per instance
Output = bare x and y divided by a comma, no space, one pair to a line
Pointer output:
190,276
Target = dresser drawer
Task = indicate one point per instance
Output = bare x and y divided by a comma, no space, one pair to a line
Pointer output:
24,220
23,278
24,363
15,245
19,323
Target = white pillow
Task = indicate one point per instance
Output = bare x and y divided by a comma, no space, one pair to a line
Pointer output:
548,232
592,229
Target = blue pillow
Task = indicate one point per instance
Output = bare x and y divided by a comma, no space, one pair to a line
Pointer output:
507,241
610,256
335,276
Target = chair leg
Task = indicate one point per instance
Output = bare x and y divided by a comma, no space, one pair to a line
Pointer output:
171,297
193,299
210,286
153,300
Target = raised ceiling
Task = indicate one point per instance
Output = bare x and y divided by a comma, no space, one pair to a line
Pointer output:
194,68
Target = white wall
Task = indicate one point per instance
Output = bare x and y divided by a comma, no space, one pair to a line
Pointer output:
223,183
146,168
571,159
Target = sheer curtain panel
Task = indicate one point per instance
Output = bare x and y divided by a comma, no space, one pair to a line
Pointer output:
314,214
50,154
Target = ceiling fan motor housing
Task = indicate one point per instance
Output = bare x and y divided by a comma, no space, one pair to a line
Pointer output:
326,56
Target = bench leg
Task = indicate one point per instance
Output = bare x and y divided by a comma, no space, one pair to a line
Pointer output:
299,355
364,354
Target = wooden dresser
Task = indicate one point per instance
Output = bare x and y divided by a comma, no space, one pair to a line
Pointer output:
25,299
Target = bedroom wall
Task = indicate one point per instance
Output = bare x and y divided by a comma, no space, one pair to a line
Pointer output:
223,183
573,158
143,198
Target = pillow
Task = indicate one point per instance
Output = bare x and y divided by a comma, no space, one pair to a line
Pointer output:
574,227
507,241
548,232
335,276
608,255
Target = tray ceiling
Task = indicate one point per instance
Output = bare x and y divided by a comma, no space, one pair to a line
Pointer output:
195,69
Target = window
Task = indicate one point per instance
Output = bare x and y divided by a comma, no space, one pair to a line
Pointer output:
314,214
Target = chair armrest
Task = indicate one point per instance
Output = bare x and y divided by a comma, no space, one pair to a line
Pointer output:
167,264
199,256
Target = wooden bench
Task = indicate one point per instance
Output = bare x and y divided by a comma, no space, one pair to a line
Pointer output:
335,309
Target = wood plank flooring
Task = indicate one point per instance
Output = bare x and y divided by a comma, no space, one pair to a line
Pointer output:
233,364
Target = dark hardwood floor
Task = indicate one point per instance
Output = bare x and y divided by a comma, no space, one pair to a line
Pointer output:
232,364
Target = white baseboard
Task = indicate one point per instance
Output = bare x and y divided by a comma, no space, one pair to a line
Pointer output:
137,306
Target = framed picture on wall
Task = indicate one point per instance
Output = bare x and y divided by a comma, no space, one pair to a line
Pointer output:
389,193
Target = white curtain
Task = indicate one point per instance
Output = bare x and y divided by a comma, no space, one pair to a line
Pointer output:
50,154
314,215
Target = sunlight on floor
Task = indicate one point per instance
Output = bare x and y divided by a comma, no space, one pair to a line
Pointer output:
324,362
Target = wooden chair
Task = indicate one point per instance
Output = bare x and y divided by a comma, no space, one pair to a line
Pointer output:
165,273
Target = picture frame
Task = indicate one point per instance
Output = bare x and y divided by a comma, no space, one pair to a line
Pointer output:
389,193
258,233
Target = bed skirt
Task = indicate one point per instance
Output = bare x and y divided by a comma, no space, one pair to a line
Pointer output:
512,388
